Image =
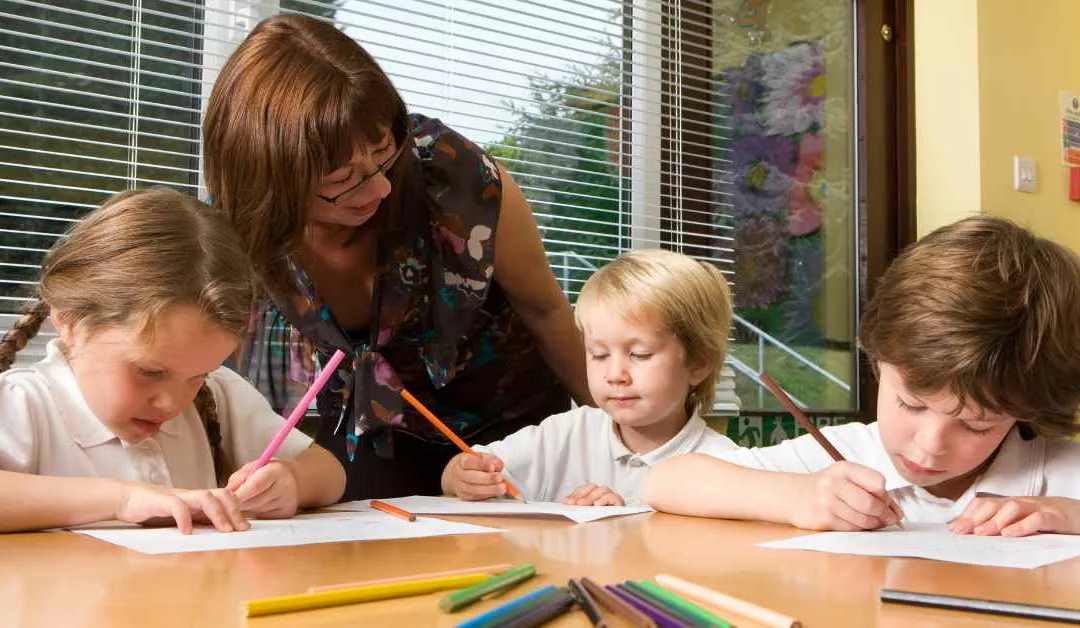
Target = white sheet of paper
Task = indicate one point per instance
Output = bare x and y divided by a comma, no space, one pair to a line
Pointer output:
425,505
366,525
932,540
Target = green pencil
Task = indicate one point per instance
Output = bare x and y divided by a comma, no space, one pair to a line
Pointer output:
683,607
463,597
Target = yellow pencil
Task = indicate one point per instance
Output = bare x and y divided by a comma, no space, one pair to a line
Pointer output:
370,593
485,569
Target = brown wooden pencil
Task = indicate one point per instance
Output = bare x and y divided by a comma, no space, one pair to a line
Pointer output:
809,426
632,615
803,420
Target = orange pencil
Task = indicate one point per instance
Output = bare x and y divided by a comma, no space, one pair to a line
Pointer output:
804,421
391,509
454,438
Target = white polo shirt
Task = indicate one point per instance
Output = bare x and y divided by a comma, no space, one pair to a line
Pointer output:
567,450
1033,468
46,428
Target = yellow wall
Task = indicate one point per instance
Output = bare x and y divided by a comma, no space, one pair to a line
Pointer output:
947,143
1027,54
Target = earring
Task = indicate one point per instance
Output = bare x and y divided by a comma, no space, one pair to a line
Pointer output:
691,401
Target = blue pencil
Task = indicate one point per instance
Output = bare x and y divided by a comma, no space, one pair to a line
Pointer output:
501,613
553,606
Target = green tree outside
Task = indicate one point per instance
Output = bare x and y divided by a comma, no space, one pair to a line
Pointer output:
560,152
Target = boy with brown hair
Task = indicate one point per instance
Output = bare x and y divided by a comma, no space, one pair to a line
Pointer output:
974,334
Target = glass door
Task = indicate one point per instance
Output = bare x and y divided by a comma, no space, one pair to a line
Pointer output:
789,92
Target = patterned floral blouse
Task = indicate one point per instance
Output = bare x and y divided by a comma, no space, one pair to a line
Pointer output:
444,329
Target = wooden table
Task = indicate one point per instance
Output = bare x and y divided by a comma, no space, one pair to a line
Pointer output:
70,581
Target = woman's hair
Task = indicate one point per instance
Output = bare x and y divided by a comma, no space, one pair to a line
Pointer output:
289,107
688,298
139,254
988,311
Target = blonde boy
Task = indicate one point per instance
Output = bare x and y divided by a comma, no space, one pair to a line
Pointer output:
655,325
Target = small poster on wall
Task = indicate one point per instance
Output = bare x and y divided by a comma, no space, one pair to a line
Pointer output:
1070,129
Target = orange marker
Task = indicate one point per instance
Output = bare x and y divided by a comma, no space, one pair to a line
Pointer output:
454,438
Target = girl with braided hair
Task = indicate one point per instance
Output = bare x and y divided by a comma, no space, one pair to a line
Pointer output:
130,416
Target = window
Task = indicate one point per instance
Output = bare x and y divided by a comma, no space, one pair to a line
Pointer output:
95,97
607,112
788,71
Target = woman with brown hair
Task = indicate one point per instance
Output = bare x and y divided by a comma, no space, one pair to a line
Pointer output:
390,236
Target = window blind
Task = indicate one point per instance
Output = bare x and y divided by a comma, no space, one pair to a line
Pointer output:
95,97
605,111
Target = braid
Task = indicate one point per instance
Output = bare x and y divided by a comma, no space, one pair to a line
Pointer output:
21,332
207,409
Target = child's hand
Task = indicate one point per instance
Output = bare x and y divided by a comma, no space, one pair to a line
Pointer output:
271,492
1018,516
146,503
846,496
593,495
476,476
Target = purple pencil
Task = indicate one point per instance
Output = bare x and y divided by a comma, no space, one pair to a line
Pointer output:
662,618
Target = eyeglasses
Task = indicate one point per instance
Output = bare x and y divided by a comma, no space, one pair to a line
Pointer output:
379,169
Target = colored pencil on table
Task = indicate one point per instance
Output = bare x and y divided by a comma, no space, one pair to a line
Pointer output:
663,618
676,605
809,426
709,597
498,616
641,595
511,486
617,606
469,595
391,509
370,593
556,604
588,605
975,605
298,412
485,570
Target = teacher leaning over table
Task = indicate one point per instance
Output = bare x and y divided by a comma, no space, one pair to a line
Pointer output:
389,236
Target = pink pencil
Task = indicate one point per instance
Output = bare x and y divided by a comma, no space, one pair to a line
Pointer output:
299,410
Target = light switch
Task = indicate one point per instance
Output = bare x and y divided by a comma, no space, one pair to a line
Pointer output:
1024,174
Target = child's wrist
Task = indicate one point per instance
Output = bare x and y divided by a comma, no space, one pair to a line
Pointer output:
307,495
803,488
117,495
1072,516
